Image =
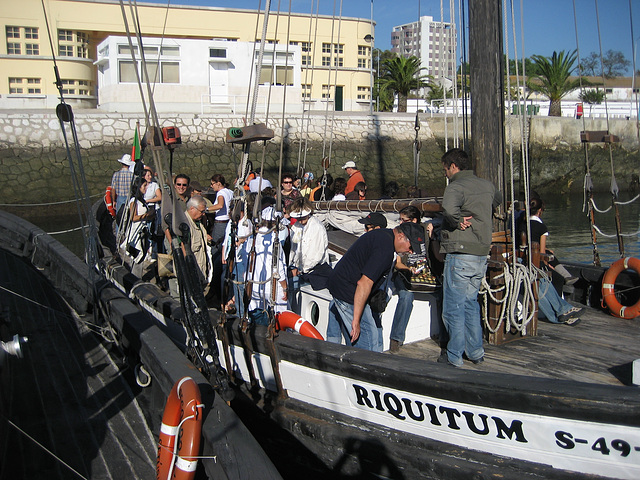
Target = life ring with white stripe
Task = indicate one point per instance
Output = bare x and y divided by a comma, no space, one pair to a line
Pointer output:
182,419
288,319
609,283
108,200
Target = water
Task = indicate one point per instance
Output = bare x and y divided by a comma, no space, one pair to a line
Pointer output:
569,235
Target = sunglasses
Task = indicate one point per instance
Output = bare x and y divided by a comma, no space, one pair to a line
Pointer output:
182,184
287,182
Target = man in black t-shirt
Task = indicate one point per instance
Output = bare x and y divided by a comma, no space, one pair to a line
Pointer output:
352,280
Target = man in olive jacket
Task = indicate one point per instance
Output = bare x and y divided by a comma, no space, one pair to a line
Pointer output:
468,205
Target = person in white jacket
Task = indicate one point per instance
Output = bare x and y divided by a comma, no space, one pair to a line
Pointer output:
309,246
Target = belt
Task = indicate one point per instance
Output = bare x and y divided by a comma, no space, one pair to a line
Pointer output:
221,221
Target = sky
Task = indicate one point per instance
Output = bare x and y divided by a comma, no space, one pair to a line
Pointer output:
548,25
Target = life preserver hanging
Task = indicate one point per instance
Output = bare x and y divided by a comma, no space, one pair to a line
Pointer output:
288,319
608,285
108,200
182,419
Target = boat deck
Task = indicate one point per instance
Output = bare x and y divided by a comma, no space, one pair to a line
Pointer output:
600,349
67,395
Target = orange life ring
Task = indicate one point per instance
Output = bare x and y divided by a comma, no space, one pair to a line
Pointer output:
609,282
288,319
181,420
108,200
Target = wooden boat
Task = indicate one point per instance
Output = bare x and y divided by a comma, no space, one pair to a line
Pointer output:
96,425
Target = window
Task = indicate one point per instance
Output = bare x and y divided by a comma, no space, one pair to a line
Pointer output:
337,62
364,50
30,32
306,59
283,75
171,51
13,48
72,43
306,46
326,61
326,92
306,90
364,93
13,32
33,86
65,36
217,53
126,50
338,48
127,72
159,72
326,48
362,63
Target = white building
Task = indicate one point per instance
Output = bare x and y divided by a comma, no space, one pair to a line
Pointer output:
197,75
434,43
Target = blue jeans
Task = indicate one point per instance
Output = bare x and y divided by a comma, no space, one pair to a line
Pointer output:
550,304
463,276
340,317
403,311
238,289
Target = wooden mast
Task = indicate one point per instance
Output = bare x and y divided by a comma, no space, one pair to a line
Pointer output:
486,61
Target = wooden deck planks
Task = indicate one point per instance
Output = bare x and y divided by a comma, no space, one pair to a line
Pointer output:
67,393
599,349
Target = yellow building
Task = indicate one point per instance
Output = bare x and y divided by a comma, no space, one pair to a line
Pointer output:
330,57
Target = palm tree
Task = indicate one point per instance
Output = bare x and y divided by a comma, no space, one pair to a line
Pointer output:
401,75
552,79
592,97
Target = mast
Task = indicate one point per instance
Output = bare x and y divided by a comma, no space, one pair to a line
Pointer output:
486,61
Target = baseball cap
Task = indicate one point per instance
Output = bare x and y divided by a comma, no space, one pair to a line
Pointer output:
415,233
349,164
374,218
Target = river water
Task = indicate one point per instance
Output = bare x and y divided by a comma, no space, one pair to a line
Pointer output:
570,236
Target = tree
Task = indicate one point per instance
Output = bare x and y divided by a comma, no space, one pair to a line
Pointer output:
614,64
553,80
400,75
592,97
437,92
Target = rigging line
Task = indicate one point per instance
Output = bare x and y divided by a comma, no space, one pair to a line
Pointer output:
263,41
273,66
616,235
45,204
284,101
335,82
328,92
442,82
509,127
82,200
254,72
304,126
633,78
452,63
44,448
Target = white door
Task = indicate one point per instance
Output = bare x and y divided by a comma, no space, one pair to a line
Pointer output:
219,82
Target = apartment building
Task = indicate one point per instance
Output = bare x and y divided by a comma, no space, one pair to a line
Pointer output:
434,43
199,58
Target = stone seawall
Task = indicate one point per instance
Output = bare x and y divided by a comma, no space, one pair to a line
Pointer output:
34,163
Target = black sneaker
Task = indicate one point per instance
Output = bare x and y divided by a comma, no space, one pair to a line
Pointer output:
444,358
478,361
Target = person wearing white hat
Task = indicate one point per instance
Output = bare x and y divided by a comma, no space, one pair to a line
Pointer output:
309,246
121,180
354,176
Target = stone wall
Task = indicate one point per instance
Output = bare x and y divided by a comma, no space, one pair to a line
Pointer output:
34,162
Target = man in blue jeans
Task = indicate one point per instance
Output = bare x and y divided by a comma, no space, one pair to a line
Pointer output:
352,280
468,205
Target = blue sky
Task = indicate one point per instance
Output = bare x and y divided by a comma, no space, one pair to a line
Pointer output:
548,24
